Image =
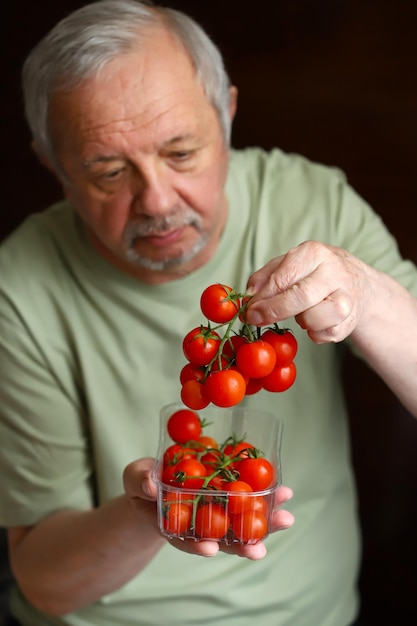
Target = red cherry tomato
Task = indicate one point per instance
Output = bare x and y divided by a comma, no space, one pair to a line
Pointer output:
211,460
239,496
280,379
200,345
205,442
209,453
250,526
168,475
259,504
217,482
220,363
253,386
231,346
258,472
256,359
211,521
219,303
178,496
193,395
184,425
177,517
191,372
284,344
225,387
190,474
238,451
175,453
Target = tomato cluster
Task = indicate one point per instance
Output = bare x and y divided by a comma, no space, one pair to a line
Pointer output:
211,490
224,365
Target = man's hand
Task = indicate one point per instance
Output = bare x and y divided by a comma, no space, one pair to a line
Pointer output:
324,288
282,519
140,487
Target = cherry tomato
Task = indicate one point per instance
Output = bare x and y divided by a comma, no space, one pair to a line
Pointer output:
221,362
239,496
211,460
245,378
177,517
280,379
168,477
238,450
225,388
191,474
219,303
256,359
211,521
178,496
193,395
200,345
205,442
250,526
175,453
217,482
184,425
258,472
259,504
231,346
253,386
284,344
208,450
191,372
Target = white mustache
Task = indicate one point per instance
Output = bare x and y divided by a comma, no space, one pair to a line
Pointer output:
148,226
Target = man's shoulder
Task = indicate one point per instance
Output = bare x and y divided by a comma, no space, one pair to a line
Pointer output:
273,176
37,235
39,225
257,167
34,258
257,159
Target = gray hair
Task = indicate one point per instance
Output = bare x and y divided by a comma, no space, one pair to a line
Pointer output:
84,41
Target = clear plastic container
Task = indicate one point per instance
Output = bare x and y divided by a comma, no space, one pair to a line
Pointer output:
216,513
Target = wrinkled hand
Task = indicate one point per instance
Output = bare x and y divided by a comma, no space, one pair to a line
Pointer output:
282,519
323,287
141,489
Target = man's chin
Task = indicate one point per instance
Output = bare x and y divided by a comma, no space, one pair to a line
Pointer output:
164,264
155,265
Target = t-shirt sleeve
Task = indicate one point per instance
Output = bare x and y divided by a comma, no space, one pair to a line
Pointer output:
360,230
313,201
44,464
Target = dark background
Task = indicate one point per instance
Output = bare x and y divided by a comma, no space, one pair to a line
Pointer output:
335,80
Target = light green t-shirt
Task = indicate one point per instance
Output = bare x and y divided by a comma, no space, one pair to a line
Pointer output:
88,356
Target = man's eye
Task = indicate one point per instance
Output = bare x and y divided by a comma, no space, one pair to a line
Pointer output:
112,174
181,155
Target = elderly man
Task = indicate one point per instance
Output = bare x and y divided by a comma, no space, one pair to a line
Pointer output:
130,106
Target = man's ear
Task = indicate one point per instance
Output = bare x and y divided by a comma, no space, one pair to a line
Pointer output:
233,92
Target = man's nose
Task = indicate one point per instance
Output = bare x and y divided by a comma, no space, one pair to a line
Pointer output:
153,192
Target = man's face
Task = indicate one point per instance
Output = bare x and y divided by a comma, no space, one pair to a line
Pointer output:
145,160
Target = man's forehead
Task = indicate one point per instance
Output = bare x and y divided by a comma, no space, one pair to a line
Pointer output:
124,106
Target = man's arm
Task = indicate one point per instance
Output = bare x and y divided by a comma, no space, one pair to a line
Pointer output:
72,558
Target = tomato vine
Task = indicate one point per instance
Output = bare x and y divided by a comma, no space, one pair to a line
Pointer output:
224,364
